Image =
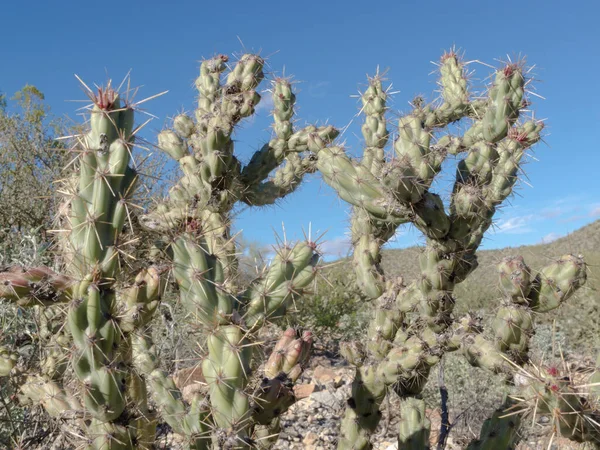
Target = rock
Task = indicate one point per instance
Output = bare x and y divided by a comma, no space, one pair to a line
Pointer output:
328,398
325,375
190,382
304,390
310,440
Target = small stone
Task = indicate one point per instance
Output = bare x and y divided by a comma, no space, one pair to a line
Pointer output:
325,375
310,439
304,390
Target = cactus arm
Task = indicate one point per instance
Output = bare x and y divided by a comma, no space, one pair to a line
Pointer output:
50,394
273,153
513,325
454,91
140,300
362,413
293,269
226,370
286,140
285,146
288,177
200,276
374,128
35,286
284,181
191,422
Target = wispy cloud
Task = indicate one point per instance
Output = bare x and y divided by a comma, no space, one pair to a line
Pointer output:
562,210
318,89
515,225
585,212
574,218
266,102
557,211
550,237
338,247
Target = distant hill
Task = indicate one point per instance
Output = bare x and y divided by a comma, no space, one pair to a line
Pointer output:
585,240
578,320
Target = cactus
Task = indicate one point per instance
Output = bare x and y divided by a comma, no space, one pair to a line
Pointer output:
513,324
550,392
113,389
195,224
413,433
113,357
96,207
413,325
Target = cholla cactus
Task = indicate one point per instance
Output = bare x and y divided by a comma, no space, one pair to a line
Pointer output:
499,431
195,222
413,325
113,358
550,391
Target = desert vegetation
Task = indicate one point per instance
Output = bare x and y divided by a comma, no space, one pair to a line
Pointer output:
114,290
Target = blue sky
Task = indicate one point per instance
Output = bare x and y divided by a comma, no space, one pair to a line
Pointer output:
329,47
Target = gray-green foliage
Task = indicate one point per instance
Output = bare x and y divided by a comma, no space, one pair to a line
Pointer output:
30,161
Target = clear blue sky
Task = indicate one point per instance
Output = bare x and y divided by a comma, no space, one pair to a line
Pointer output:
330,47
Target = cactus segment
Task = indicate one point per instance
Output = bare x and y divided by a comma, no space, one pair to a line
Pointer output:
293,269
35,286
499,432
414,426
